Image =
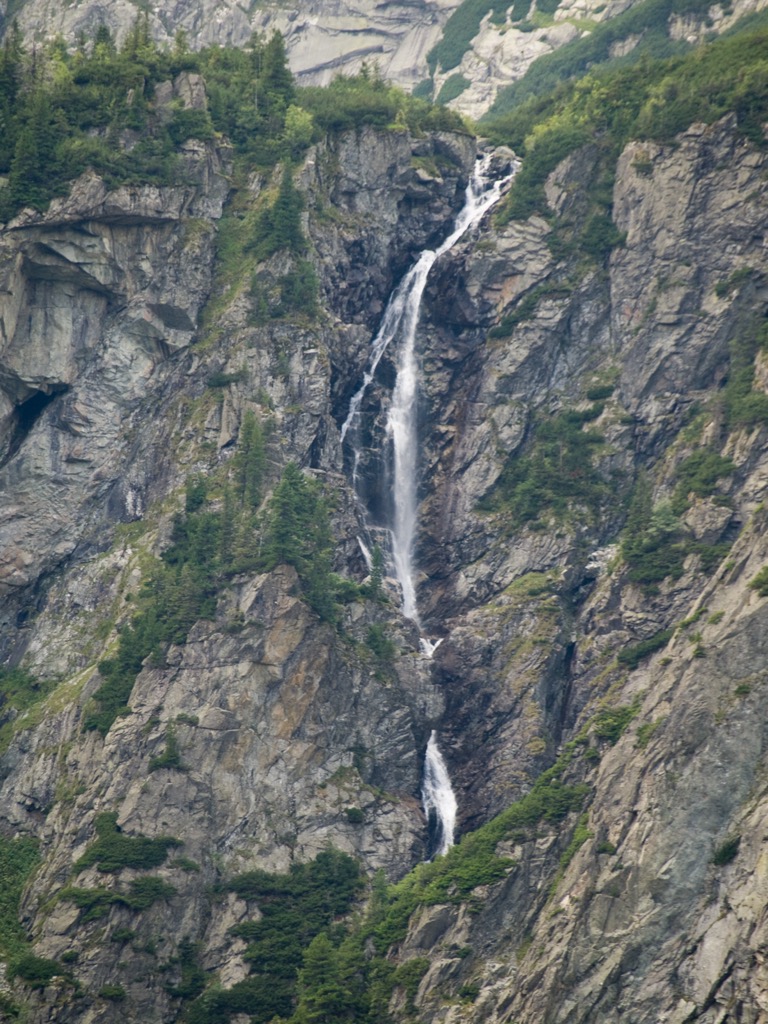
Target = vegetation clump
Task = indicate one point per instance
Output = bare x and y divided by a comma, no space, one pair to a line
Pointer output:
727,851
557,474
294,909
18,859
633,655
95,903
113,850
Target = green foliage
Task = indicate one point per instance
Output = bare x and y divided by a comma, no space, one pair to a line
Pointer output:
193,978
95,903
600,392
610,724
632,656
382,645
171,756
63,112
760,582
18,859
743,406
295,908
36,971
365,99
581,834
185,864
96,107
645,732
223,380
279,225
525,309
557,475
374,588
298,291
354,815
727,851
698,474
115,993
734,281
655,544
112,850
298,533
605,846
452,87
647,20
460,29
19,691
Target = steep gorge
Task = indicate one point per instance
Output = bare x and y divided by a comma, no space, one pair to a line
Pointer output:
269,733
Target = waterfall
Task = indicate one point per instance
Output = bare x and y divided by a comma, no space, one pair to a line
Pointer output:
438,799
399,325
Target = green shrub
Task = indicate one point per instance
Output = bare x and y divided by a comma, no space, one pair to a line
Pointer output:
354,815
580,836
298,534
525,308
112,850
171,756
19,690
142,893
298,291
599,392
743,406
727,851
610,724
557,476
382,645
734,281
18,859
645,732
115,993
185,864
193,978
760,582
36,971
633,655
223,380
698,474
207,547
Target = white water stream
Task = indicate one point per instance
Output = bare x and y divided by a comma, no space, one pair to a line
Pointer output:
399,325
438,798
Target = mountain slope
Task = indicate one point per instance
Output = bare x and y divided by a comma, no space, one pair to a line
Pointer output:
212,702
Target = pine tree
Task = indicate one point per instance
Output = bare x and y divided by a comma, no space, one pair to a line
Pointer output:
276,81
250,461
299,534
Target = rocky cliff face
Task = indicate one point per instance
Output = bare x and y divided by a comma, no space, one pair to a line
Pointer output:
268,733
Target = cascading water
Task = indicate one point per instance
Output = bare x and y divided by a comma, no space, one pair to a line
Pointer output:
438,798
399,325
